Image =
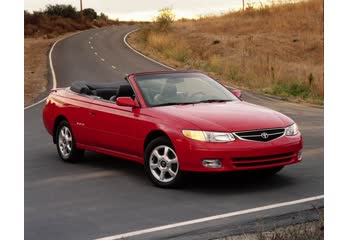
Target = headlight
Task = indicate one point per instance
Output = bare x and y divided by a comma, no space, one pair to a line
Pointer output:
292,130
205,136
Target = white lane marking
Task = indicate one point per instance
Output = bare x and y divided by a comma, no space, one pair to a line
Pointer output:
113,67
96,53
92,47
127,44
102,59
206,219
54,81
89,42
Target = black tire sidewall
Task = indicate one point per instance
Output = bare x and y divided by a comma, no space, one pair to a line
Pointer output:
178,180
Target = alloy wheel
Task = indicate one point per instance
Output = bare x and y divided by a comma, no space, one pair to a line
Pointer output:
163,163
65,142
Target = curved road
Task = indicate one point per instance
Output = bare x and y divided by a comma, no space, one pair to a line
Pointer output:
104,196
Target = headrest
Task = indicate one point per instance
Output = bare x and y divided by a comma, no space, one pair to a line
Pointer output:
80,87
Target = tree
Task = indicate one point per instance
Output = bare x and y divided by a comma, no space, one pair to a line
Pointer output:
103,17
62,10
89,13
165,18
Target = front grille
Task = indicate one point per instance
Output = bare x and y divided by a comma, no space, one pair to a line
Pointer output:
264,135
261,161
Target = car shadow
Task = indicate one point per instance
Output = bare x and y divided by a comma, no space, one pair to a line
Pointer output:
205,183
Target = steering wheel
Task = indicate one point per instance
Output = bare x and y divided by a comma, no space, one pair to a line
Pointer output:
197,93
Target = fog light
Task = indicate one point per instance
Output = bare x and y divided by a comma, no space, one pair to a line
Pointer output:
300,155
211,163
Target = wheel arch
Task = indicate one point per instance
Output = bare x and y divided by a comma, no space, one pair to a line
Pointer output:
58,119
153,135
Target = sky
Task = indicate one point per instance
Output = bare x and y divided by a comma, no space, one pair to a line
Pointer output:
145,9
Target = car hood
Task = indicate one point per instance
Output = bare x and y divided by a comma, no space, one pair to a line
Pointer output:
227,116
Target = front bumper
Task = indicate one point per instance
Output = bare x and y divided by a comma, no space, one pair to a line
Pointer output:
239,154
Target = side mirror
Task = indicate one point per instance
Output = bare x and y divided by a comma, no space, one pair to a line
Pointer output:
237,93
127,102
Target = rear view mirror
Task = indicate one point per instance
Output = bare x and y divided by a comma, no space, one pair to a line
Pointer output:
236,92
127,102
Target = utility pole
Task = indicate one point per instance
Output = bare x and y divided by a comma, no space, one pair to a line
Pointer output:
243,4
81,10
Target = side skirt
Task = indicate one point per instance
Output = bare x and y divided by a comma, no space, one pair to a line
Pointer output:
111,153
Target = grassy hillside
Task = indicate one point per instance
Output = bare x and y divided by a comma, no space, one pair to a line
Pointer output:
276,49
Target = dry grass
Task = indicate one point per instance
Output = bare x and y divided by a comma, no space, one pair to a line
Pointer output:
276,49
313,230
305,231
35,67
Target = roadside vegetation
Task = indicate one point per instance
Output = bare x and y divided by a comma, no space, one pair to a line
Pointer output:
59,19
313,230
41,30
272,48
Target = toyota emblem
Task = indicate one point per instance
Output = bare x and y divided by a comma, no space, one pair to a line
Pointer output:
264,135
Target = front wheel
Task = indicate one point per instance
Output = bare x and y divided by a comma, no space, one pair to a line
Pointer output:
162,164
65,143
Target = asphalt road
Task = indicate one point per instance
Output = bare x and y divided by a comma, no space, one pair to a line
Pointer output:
104,196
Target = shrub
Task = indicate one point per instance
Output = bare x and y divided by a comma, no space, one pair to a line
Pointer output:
103,17
89,13
32,18
62,10
165,18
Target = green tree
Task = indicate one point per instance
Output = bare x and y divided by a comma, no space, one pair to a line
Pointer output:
165,18
103,17
90,13
62,10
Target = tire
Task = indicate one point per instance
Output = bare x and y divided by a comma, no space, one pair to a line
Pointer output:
267,172
163,169
65,141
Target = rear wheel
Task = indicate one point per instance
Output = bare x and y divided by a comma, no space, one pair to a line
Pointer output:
65,143
162,164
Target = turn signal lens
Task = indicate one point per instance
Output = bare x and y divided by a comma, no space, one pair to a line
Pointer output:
196,135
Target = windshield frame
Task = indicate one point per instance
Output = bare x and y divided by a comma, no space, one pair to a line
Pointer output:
134,79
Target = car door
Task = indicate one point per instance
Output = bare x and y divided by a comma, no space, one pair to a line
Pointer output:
114,127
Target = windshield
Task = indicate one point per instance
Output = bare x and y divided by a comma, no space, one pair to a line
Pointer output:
181,88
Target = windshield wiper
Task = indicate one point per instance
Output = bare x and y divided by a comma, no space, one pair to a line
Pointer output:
186,103
213,100
170,103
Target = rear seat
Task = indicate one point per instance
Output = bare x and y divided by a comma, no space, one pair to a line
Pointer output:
105,91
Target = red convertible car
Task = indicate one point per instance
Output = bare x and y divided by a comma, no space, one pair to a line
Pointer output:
172,122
